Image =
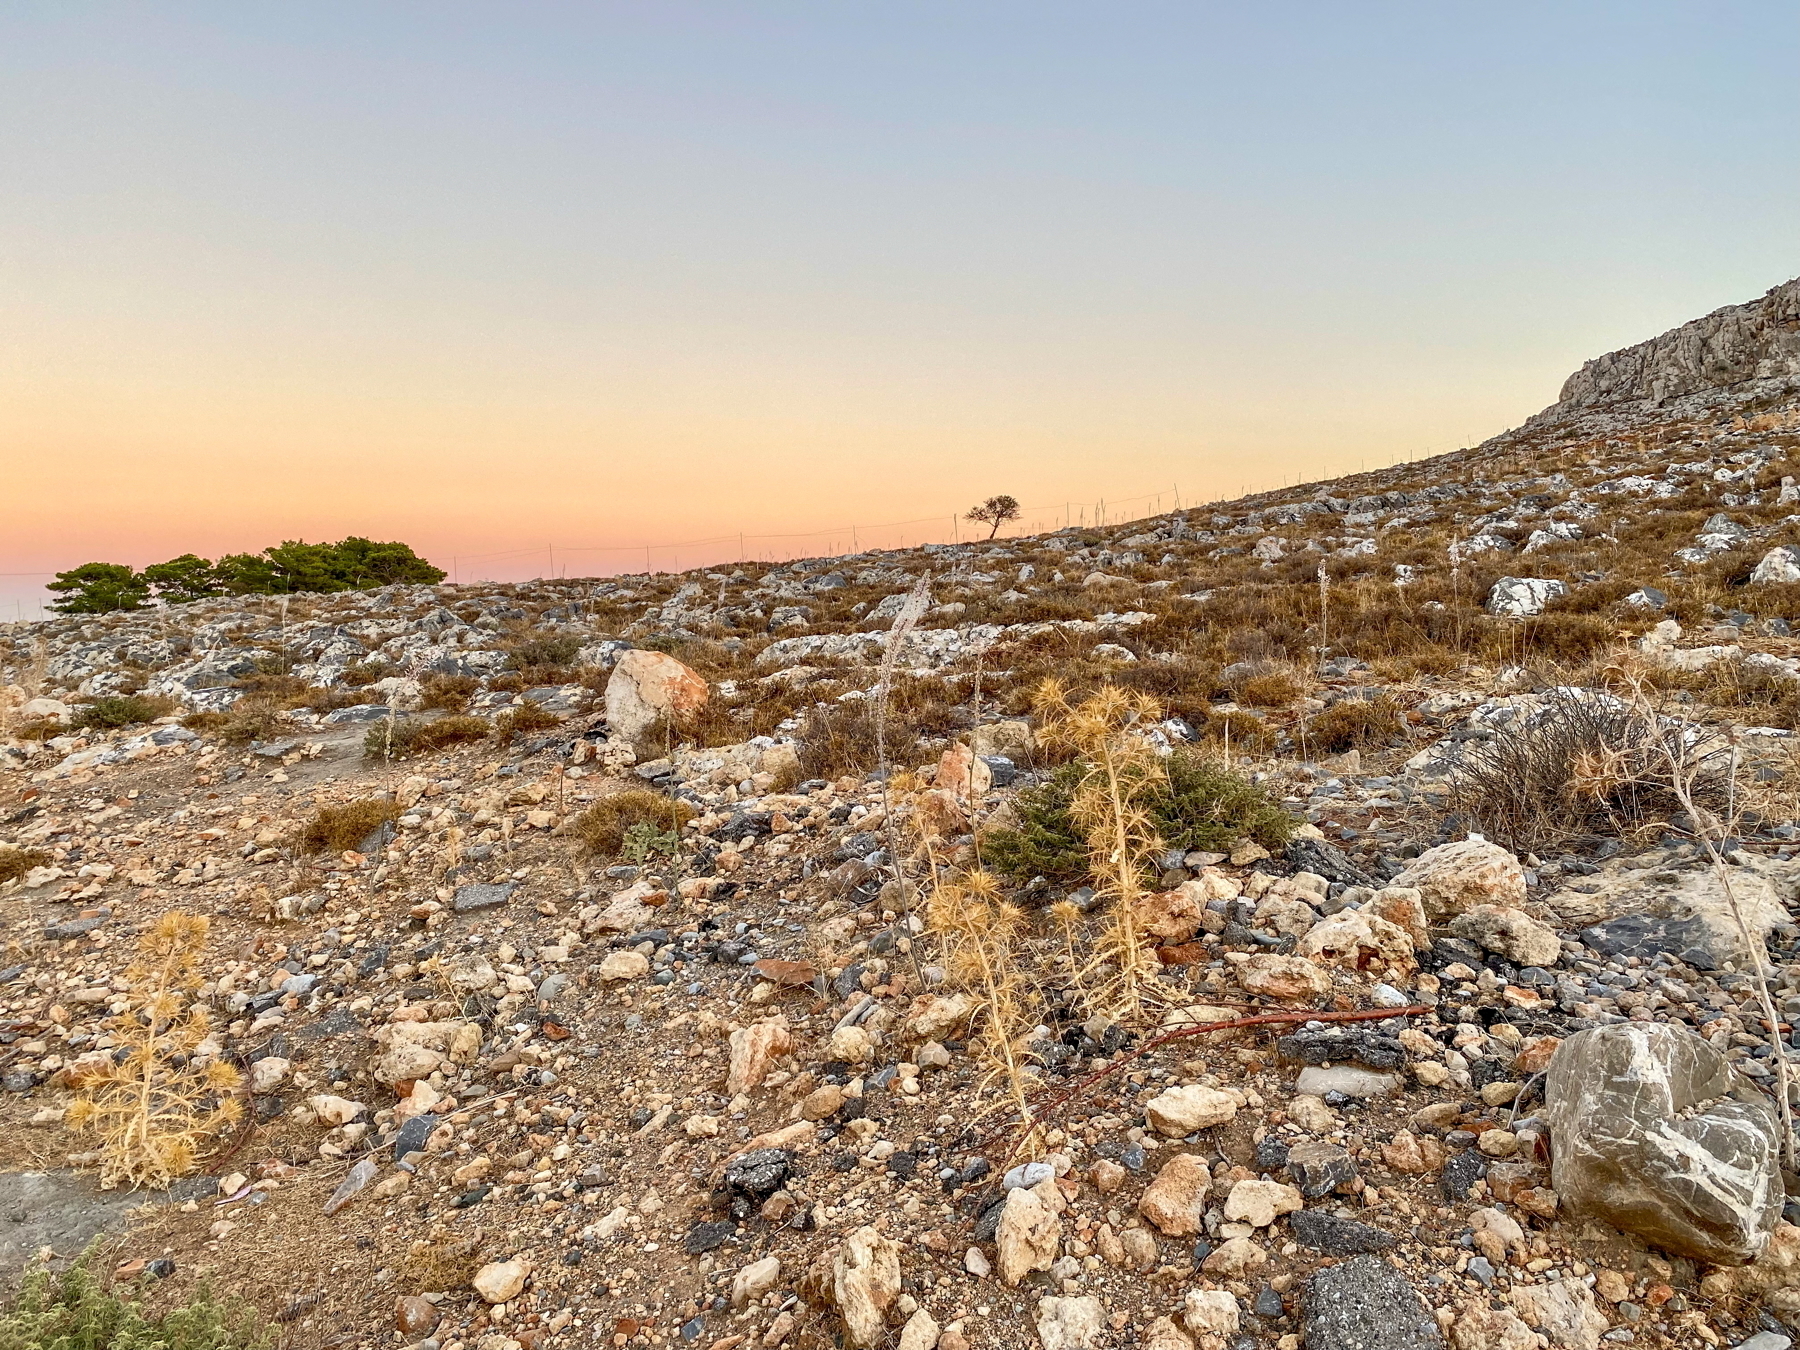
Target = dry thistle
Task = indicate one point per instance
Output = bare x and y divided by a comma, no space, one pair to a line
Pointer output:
1119,768
153,1104
981,935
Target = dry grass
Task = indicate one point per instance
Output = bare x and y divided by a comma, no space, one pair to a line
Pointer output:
404,737
339,829
121,710
522,719
1355,724
447,693
16,862
1272,689
603,827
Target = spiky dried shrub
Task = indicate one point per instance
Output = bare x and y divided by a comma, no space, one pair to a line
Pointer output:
982,936
397,738
1355,724
154,1102
16,862
1586,763
1117,773
524,719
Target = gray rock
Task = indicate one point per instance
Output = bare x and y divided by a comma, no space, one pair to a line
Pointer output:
360,712
1365,1304
1656,1134
1522,597
1321,1232
479,896
1319,1168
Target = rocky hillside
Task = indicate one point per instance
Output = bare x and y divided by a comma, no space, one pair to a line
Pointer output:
732,958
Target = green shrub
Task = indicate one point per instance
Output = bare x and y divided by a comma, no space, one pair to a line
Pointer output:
524,717
76,1311
1204,805
543,651
121,710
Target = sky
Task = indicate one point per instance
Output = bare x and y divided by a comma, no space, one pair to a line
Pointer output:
533,286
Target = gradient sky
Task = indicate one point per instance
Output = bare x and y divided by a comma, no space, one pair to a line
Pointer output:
492,277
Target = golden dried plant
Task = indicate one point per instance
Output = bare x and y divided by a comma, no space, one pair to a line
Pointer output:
981,936
153,1102
1120,770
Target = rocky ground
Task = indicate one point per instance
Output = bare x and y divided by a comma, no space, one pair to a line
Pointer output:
502,1088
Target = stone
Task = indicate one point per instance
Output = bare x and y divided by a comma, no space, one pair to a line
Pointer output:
1260,1203
1415,1154
1522,597
963,774
415,1316
1011,739
1352,1082
1563,1310
1496,1234
646,692
1319,1168
1172,917
1164,1334
1287,979
1644,912
1455,877
1071,1323
620,966
1365,1304
478,896
1029,1237
1234,1259
1179,1111
1210,1312
501,1281
1312,1115
852,1045
920,1332
1780,565
1356,940
333,1111
1511,933
1321,1232
1476,1326
1403,907
1655,1133
755,1280
1176,1200
1767,1340
865,1282
754,1050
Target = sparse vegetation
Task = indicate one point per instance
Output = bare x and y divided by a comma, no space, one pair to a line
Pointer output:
153,1101
121,710
16,862
338,829
76,1310
605,826
524,718
1355,724
399,738
981,934
995,512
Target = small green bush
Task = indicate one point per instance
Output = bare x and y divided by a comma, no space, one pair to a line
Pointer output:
76,1311
121,710
543,651
1203,805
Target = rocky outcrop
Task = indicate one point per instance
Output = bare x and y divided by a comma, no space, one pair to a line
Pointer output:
1736,345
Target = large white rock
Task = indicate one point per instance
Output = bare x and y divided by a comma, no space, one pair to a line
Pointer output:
1521,597
1455,877
1778,565
645,691
865,1282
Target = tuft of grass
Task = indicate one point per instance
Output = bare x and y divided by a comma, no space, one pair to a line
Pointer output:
121,710
1202,805
335,829
447,693
1272,689
1354,724
152,1101
416,736
543,653
524,718
77,1311
16,862
605,827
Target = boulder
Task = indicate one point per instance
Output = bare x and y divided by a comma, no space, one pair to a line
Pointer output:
1640,913
865,1282
1365,1304
1403,907
1511,933
1522,597
1260,1203
1455,877
645,692
1780,564
1655,1133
